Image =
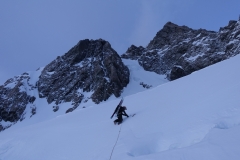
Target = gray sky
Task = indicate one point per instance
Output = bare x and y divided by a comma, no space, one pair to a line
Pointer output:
33,33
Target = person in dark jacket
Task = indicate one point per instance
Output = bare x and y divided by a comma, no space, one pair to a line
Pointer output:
120,111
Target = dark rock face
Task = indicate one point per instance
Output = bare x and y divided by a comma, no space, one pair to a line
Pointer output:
90,66
55,108
69,110
176,72
133,52
189,49
14,97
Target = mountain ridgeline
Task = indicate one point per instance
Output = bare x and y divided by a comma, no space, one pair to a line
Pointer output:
93,70
177,51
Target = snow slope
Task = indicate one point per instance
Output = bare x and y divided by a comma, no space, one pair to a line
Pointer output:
195,117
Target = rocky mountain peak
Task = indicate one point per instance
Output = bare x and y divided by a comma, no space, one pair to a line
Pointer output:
177,51
86,49
133,52
167,35
170,27
90,66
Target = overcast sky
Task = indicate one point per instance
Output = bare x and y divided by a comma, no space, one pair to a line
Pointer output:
33,33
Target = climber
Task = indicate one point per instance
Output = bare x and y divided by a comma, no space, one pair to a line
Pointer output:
120,111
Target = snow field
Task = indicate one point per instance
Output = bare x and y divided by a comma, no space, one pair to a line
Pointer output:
195,117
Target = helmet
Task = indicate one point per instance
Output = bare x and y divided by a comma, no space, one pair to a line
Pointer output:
124,107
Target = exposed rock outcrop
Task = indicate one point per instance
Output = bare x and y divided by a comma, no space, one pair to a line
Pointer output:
90,66
189,49
14,97
133,52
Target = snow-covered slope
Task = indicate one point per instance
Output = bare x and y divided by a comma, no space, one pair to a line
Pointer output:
20,95
195,117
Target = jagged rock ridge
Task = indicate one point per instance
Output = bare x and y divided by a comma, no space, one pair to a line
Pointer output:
14,98
90,66
179,50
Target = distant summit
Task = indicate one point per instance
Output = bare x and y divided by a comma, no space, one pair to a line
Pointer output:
177,51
